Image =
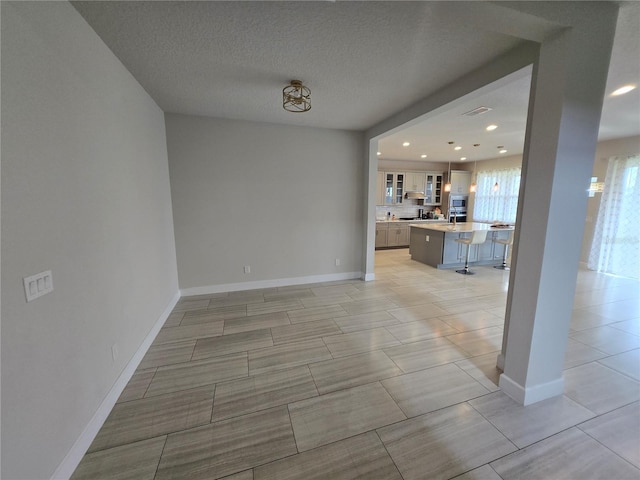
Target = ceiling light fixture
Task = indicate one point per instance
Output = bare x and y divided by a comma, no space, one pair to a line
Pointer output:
474,186
623,90
424,155
462,159
406,144
378,153
296,97
447,186
491,128
496,187
457,148
503,151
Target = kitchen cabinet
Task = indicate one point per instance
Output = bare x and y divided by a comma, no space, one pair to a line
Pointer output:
382,231
415,182
398,235
460,181
433,188
394,187
380,184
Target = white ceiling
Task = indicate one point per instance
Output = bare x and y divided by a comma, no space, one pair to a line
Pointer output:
363,61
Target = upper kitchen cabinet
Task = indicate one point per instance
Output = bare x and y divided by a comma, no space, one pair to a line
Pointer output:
394,187
433,188
460,181
415,182
380,188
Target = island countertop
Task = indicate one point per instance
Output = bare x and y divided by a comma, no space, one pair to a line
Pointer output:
436,244
462,227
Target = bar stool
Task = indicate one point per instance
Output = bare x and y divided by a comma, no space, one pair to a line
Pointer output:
477,236
507,242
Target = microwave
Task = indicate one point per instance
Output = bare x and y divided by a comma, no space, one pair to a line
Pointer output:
459,202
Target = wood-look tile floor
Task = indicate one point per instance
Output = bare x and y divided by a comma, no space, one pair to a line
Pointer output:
393,379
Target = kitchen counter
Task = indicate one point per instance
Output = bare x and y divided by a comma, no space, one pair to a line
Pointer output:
464,227
436,245
431,220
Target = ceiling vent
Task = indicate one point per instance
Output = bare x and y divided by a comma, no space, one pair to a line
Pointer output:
476,111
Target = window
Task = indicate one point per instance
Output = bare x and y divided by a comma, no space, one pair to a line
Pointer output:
616,241
499,204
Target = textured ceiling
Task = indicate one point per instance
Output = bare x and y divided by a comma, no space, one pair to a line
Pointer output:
364,61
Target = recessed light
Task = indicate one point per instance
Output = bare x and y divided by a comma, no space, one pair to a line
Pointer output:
378,154
424,155
462,159
503,151
491,128
623,90
457,148
406,144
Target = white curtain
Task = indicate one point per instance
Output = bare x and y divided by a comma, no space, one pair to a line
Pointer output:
616,242
497,205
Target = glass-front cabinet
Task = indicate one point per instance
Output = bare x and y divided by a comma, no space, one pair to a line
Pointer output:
433,189
394,188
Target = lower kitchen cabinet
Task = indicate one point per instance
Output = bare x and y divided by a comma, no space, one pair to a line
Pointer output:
392,235
398,236
382,231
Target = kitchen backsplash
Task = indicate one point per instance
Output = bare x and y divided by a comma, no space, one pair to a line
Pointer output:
400,210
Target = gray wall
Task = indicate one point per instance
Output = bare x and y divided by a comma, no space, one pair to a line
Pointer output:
286,201
85,193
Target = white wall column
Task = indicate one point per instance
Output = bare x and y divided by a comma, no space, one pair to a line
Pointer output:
567,92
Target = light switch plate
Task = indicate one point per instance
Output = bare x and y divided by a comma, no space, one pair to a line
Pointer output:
37,285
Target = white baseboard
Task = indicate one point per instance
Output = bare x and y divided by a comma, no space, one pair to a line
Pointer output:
82,444
537,393
369,277
500,361
277,282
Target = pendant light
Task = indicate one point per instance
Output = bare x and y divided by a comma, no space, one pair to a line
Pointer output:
496,187
474,186
447,186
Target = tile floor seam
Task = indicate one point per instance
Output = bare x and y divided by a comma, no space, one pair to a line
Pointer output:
295,440
602,444
146,390
558,433
160,457
616,370
213,402
314,380
389,453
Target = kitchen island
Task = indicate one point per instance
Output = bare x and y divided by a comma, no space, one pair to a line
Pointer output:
436,245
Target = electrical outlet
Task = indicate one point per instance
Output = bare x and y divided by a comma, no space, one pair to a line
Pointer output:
426,238
247,269
337,262
114,351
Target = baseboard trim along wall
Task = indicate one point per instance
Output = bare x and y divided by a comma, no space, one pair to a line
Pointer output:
527,396
82,444
278,282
